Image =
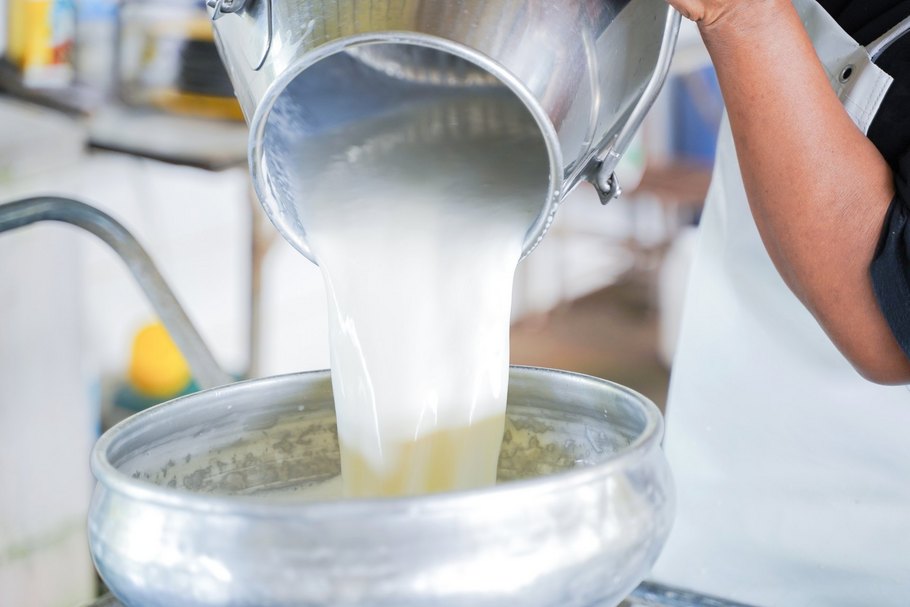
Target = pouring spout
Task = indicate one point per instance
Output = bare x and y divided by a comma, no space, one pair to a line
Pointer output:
24,212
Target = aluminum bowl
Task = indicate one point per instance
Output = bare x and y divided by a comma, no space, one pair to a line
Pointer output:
202,501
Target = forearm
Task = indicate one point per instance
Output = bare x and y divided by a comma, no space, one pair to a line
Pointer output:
818,188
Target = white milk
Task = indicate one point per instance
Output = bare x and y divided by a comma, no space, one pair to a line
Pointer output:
417,220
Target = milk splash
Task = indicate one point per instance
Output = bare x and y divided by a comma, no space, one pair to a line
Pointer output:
417,220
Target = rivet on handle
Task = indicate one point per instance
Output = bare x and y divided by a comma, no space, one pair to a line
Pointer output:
608,189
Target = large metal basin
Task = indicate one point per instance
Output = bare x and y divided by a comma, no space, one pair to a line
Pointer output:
195,505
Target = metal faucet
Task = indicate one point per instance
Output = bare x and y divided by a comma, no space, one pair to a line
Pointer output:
207,372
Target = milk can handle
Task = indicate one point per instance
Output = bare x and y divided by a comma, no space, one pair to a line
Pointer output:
601,173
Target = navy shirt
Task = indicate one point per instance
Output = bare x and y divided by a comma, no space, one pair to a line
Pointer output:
866,21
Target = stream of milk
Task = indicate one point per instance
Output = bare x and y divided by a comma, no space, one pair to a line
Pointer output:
417,220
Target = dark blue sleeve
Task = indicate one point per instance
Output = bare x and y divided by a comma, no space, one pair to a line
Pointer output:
891,265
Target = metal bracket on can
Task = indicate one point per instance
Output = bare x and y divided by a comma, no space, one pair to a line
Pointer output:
607,187
224,7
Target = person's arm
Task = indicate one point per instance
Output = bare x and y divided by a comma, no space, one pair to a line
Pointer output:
819,190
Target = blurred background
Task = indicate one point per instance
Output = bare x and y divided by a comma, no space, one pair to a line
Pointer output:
125,105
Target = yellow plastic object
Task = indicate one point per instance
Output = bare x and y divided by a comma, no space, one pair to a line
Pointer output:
157,368
41,35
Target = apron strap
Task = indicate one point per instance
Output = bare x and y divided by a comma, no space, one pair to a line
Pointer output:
891,36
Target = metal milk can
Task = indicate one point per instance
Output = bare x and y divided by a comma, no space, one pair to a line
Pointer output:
586,70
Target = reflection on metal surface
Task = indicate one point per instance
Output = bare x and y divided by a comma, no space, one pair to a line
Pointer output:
167,497
648,594
587,70
418,64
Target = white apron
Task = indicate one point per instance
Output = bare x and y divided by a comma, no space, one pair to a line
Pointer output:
792,472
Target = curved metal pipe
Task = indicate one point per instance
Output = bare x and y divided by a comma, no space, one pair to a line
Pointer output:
54,208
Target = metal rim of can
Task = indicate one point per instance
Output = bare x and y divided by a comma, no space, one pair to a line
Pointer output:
260,119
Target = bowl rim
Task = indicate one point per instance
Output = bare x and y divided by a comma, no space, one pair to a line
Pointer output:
111,478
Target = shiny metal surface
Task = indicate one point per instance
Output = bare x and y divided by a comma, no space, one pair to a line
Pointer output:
225,7
25,212
587,70
648,594
185,510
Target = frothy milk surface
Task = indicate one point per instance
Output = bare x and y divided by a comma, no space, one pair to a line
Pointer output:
417,220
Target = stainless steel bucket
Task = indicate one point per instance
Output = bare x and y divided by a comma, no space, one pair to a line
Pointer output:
194,505
586,70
